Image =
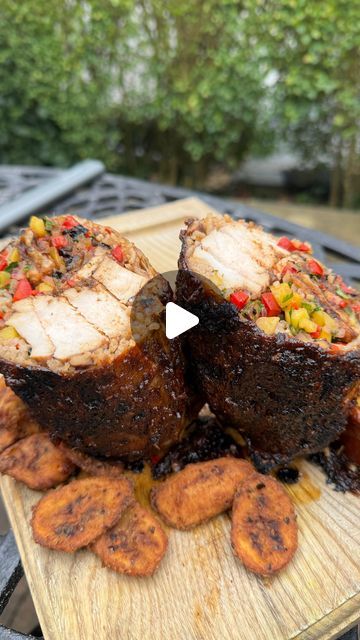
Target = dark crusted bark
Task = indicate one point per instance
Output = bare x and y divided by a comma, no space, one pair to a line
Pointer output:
134,408
286,396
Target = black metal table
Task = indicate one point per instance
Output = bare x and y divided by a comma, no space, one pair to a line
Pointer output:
112,194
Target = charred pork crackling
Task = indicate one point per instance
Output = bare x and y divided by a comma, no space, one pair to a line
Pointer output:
91,378
277,351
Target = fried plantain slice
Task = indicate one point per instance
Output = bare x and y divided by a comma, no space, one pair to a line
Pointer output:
135,545
73,516
264,533
199,492
15,421
90,465
36,462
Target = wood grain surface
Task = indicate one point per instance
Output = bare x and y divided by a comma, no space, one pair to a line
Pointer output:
200,592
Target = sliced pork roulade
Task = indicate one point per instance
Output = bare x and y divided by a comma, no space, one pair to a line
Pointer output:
277,351
67,347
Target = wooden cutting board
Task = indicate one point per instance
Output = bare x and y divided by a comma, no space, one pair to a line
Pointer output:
201,592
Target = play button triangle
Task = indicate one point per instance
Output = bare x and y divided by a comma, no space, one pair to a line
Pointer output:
178,320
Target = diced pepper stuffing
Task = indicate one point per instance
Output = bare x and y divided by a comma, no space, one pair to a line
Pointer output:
23,290
14,255
239,299
293,245
117,253
285,243
296,310
47,257
316,334
268,325
69,222
304,247
315,268
37,226
289,269
4,279
270,304
8,333
45,287
59,242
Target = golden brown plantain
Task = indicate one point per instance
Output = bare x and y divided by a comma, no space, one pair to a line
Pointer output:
36,462
73,516
15,421
135,545
264,533
92,466
199,492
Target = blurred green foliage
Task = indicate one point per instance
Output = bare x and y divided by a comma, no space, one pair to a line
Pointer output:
142,85
315,49
172,88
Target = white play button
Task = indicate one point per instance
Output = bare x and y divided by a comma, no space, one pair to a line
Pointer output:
178,320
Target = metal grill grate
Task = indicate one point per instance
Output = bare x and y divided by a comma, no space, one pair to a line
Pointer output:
111,195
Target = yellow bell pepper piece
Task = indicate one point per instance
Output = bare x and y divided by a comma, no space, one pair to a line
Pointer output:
308,326
325,335
330,323
297,316
14,256
4,279
37,226
282,294
324,319
319,318
268,325
54,254
44,287
294,302
7,333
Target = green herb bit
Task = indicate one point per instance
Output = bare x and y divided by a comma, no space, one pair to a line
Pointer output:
48,224
11,266
342,294
288,297
310,307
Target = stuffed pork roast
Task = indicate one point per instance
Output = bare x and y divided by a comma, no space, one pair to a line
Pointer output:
277,351
67,348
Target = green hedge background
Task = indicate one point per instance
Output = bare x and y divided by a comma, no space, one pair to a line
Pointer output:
172,89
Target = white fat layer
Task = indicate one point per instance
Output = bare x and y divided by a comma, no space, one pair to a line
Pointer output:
101,309
68,331
29,327
122,283
240,255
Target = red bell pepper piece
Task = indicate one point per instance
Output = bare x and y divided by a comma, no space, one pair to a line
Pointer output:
270,304
23,290
117,253
286,243
316,334
3,263
348,290
304,247
289,268
315,268
239,299
340,302
59,242
155,459
69,222
356,307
